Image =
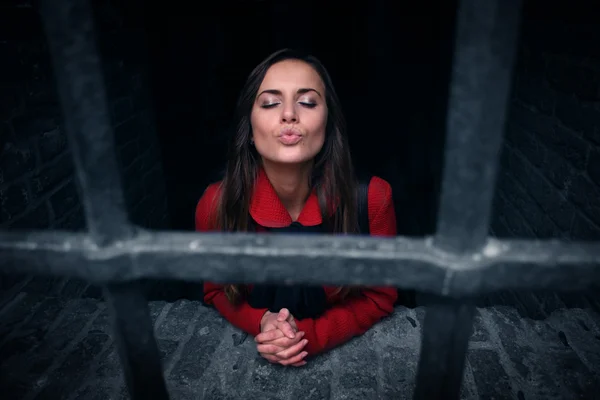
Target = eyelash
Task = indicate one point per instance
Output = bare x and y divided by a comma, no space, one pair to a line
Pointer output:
307,105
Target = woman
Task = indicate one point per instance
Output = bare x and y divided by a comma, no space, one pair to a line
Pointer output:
289,170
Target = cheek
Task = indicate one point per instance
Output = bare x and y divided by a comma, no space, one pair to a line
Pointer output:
320,127
262,125
254,122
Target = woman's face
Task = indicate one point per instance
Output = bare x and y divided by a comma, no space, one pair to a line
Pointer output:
289,115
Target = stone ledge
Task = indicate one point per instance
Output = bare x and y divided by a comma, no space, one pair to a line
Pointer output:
53,345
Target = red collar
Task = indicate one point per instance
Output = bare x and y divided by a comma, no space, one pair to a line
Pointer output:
267,210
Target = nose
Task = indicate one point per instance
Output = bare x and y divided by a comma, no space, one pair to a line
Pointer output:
288,114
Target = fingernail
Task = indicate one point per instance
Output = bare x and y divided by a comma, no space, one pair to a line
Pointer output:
304,354
301,334
304,342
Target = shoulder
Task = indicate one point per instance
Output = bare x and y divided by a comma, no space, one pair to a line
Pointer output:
382,216
207,207
380,192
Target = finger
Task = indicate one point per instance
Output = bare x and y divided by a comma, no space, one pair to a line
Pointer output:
292,351
293,324
270,358
268,327
269,336
284,313
300,364
282,342
294,360
269,349
286,328
275,360
280,351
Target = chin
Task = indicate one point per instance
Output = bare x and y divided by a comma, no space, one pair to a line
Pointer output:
291,158
293,155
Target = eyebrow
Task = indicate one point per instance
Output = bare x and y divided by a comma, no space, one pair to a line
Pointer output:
299,91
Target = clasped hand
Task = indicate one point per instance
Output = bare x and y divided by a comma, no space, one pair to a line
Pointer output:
279,340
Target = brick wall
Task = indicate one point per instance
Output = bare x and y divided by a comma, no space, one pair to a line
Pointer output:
123,47
549,182
37,186
36,171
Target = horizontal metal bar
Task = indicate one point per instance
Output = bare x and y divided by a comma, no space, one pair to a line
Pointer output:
70,34
307,259
485,41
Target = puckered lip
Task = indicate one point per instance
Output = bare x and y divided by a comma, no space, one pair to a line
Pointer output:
289,132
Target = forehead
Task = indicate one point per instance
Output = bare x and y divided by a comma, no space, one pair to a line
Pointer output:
292,74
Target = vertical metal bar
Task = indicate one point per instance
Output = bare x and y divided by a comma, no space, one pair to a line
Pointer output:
444,345
486,33
134,336
70,34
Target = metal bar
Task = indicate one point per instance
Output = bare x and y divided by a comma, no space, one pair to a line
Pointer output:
335,260
446,334
486,33
485,42
134,336
70,33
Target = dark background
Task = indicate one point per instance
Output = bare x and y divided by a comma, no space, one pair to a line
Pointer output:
172,74
390,70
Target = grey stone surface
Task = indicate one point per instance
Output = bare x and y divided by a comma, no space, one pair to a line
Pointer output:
63,348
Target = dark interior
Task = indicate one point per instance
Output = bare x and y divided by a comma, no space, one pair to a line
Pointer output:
176,69
391,78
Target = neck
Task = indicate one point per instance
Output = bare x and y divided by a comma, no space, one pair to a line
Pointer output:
291,184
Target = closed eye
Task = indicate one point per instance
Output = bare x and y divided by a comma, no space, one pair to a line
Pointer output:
304,104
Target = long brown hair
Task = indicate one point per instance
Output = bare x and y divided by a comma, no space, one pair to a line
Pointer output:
332,175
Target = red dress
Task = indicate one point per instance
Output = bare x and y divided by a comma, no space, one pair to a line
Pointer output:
344,320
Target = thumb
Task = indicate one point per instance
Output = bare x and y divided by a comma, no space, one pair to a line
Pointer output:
283,314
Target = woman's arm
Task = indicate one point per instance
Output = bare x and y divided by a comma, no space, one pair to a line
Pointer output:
351,318
241,316
356,315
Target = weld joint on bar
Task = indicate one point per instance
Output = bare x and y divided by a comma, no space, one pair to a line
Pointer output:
492,249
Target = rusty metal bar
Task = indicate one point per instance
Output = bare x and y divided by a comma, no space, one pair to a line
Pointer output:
70,33
134,337
484,52
485,47
443,349
335,260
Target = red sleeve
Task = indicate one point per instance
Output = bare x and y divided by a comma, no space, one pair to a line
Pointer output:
382,216
206,208
355,316
241,316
